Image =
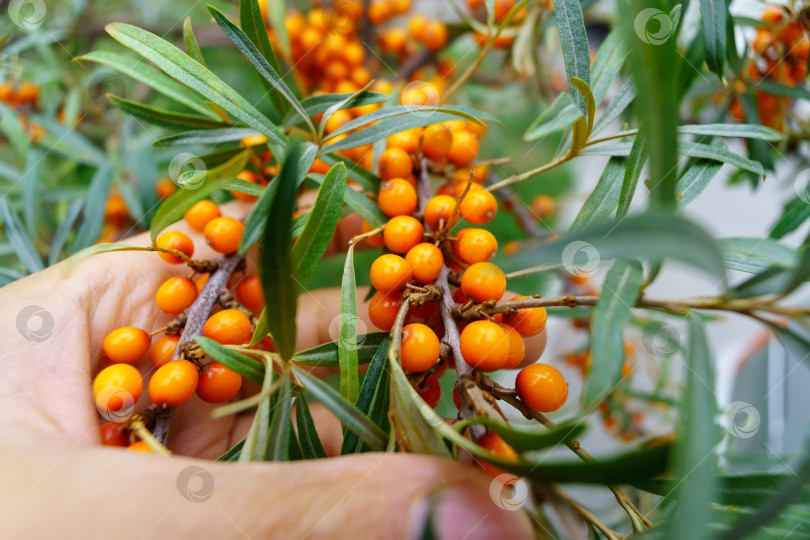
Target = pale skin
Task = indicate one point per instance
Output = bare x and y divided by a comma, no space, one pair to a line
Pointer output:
57,477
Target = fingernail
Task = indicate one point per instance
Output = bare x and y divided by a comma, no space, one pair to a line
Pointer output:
460,513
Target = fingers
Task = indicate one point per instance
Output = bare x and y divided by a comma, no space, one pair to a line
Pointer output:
369,495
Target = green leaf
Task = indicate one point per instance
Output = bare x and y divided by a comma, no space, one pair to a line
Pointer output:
320,104
205,136
277,12
347,413
263,67
249,188
94,205
575,48
695,180
161,117
65,226
153,79
527,441
604,197
347,342
256,440
754,255
311,245
31,181
361,204
770,87
247,367
607,64
373,395
19,239
623,98
590,104
632,172
652,236
178,203
278,281
326,355
232,454
562,113
743,131
330,112
307,434
192,46
613,311
695,458
793,338
278,437
186,70
252,23
355,171
722,154
714,33
794,214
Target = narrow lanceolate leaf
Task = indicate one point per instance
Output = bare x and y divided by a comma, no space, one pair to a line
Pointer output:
330,112
252,23
590,105
348,414
311,446
319,104
374,392
278,281
19,239
173,208
695,458
632,172
793,338
279,434
355,171
193,74
311,245
527,441
326,355
249,368
347,343
249,188
613,311
255,446
155,80
65,226
361,204
604,198
30,181
254,56
695,180
575,48
206,136
714,14
722,154
623,98
795,212
607,64
161,117
192,47
232,454
753,255
561,113
93,211
743,131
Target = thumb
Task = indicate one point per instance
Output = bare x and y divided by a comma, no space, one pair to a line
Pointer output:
371,495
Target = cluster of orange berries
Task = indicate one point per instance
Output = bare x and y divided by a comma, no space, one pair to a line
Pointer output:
781,56
119,385
24,93
116,212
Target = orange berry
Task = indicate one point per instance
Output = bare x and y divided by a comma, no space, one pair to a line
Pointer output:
437,140
479,207
484,345
246,176
249,292
464,148
440,209
200,281
115,212
201,213
164,188
338,120
401,233
126,345
117,387
174,383
430,390
229,327
502,8
397,198
416,26
176,295
28,92
379,11
217,383
407,140
163,349
483,281
541,387
517,349
394,40
112,434
527,321
375,240
353,54
177,241
426,262
543,206
223,234
360,75
476,245
383,309
494,443
395,163
7,92
420,347
140,446
434,35
389,273
475,4
476,129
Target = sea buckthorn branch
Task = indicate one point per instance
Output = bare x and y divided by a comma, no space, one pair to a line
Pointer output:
545,491
525,219
640,522
514,179
196,316
196,265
